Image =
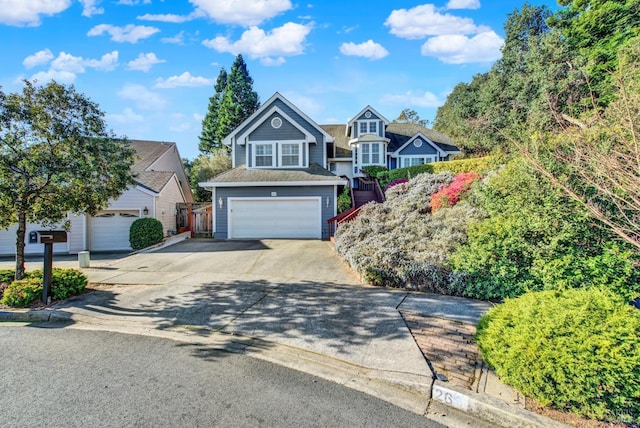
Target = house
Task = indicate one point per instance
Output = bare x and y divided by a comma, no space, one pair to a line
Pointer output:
287,170
160,183
370,139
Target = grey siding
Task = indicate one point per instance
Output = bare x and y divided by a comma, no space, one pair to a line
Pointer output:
266,132
221,231
425,149
316,151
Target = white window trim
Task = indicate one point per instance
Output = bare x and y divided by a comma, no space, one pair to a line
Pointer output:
276,153
368,126
254,146
381,153
432,158
301,154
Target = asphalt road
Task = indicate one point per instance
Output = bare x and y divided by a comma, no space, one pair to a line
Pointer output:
58,377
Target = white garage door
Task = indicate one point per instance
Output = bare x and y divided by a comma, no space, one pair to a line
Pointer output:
255,218
109,230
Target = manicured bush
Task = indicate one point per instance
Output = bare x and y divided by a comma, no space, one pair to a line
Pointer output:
145,232
449,195
22,293
344,199
576,350
373,170
67,282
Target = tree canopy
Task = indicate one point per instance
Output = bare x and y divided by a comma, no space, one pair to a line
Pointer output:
56,157
233,102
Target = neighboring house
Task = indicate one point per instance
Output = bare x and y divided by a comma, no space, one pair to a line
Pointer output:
370,139
160,183
287,168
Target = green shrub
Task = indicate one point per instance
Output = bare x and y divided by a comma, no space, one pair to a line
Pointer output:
344,199
373,170
458,166
67,282
386,177
22,293
145,232
576,350
7,276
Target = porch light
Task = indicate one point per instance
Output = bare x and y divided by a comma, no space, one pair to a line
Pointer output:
327,200
220,202
145,211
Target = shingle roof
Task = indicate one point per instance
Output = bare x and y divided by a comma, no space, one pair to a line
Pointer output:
147,153
341,140
399,133
242,174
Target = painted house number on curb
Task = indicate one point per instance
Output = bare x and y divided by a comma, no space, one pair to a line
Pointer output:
450,397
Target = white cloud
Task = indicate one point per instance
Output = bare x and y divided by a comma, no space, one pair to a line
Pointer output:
185,79
423,21
245,13
133,2
413,99
127,116
287,40
179,123
129,33
68,62
272,62
59,76
463,4
144,62
368,49
39,58
90,8
170,17
142,97
29,12
108,62
459,49
178,39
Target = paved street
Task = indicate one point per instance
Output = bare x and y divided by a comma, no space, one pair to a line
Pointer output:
73,378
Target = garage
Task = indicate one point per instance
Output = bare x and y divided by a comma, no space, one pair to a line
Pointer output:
109,230
289,218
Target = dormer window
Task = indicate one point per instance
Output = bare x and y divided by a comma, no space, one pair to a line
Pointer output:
369,127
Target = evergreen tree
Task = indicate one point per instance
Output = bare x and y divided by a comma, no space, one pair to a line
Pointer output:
208,136
239,100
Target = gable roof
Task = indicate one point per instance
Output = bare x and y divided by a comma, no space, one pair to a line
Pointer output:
400,133
267,106
147,153
374,111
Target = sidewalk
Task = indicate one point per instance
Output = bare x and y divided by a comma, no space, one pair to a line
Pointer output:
412,349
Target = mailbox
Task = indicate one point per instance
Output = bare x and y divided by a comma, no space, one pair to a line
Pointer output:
47,236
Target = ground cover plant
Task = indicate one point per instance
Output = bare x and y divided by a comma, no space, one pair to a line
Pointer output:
65,283
399,243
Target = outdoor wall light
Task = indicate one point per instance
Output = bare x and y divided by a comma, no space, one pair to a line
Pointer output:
145,211
220,202
327,201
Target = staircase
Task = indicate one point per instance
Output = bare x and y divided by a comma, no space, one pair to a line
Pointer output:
361,197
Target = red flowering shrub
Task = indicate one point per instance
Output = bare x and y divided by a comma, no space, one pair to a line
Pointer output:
396,182
449,195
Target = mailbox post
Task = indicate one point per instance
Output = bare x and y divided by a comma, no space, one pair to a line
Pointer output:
48,238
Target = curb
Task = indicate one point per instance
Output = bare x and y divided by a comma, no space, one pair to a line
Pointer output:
489,409
45,315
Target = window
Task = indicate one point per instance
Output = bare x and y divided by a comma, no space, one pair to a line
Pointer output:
416,160
375,153
264,155
366,150
276,122
363,128
290,155
373,127
332,166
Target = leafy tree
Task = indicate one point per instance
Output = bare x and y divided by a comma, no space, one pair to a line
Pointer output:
209,137
239,100
56,156
205,167
411,116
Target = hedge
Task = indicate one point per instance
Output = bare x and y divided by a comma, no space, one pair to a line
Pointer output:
576,350
145,232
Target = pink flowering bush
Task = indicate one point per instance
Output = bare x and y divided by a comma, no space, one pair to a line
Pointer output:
396,182
449,195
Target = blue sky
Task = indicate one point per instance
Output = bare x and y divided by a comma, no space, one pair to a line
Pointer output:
151,64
